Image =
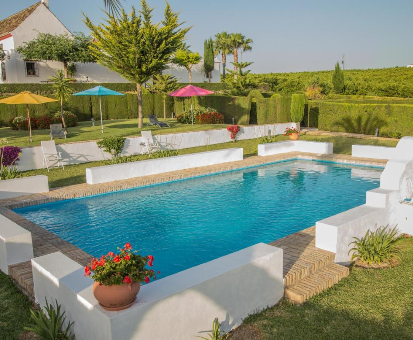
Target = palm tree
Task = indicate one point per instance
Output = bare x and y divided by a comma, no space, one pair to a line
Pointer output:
222,45
62,91
163,84
113,6
238,41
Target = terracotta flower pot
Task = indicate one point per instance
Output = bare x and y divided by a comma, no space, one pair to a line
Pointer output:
293,136
116,297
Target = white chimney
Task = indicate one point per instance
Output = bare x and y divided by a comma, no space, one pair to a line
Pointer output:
46,3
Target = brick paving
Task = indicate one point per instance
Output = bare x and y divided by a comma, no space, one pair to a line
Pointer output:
301,258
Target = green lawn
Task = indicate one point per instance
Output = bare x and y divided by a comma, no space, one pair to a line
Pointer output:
14,309
369,304
75,174
112,128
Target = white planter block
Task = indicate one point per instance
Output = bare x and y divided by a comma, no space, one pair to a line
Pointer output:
335,233
378,198
298,146
15,244
371,151
181,306
23,186
116,172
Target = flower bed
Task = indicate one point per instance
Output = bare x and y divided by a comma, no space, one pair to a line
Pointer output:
43,122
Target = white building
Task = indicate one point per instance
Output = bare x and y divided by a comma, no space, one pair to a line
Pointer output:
25,25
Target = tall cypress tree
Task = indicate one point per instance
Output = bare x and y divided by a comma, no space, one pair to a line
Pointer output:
208,57
338,79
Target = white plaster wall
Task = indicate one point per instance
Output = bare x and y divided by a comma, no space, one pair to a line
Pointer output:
15,244
371,151
290,146
23,186
96,73
8,46
82,152
109,173
198,75
180,306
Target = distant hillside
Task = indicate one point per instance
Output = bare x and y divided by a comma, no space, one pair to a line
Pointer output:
385,82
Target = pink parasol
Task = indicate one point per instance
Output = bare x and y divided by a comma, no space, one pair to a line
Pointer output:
190,91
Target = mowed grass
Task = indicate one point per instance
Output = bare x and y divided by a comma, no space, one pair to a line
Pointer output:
369,304
76,174
84,131
14,309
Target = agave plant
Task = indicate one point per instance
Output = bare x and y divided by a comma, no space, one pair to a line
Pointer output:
217,333
51,325
376,247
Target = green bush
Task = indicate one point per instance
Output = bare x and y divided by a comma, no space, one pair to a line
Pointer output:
70,118
255,94
112,143
297,107
376,247
363,117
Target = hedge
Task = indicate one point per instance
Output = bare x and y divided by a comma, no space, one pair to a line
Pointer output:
276,109
47,89
231,107
393,120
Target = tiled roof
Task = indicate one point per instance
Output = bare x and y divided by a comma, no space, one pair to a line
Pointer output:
12,22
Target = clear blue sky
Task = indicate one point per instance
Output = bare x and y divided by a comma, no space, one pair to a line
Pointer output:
289,35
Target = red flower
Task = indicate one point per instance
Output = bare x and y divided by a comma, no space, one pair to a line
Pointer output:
101,262
158,272
116,259
111,254
126,257
87,271
94,266
128,246
150,257
127,280
147,280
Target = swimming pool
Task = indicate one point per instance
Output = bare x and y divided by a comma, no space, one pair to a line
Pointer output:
189,222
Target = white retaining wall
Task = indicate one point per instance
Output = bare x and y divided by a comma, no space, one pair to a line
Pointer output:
291,146
23,186
82,152
15,244
371,151
115,172
180,306
382,206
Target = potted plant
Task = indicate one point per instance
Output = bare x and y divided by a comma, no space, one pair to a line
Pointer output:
233,130
292,133
118,277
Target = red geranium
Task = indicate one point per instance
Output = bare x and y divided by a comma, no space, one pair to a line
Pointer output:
233,129
125,267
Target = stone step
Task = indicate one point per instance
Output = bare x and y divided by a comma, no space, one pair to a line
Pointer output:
316,283
306,265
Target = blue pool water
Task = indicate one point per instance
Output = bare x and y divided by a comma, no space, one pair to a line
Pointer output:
186,223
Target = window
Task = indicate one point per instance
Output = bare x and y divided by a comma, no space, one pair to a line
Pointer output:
31,69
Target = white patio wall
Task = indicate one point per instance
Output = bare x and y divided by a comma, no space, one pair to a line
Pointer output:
75,153
15,244
382,206
180,306
291,146
371,151
115,172
23,186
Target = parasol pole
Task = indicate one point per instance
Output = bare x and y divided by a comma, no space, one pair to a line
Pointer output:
100,108
29,122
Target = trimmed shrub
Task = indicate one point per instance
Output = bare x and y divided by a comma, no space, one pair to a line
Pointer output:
297,107
22,123
391,119
255,94
70,118
274,110
112,143
43,123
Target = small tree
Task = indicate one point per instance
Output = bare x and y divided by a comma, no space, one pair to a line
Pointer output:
163,84
135,47
338,79
187,59
209,62
242,84
62,91
297,108
64,48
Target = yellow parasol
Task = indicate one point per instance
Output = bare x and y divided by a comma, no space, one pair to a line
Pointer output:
27,98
